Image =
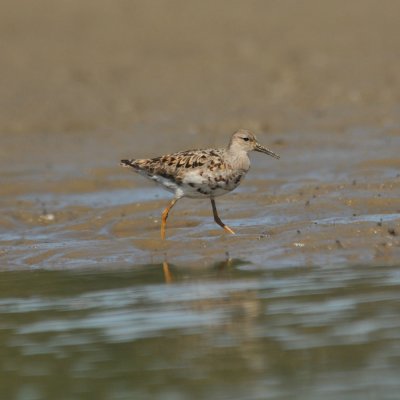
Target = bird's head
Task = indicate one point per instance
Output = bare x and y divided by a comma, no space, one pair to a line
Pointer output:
245,140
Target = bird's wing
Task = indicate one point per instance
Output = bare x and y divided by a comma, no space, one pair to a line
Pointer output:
174,166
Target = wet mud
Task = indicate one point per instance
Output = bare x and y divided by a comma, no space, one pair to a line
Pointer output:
324,202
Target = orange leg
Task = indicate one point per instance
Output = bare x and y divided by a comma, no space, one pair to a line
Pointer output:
164,217
217,219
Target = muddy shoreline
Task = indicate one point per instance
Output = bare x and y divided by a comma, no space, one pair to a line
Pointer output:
84,86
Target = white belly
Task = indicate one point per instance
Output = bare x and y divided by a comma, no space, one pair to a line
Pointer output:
195,185
200,184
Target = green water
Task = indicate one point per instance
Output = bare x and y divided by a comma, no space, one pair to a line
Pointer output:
226,331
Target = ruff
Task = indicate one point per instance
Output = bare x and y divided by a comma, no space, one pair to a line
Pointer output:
207,173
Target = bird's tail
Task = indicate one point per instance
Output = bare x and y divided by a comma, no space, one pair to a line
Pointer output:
127,163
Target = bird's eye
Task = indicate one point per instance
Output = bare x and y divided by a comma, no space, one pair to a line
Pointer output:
246,139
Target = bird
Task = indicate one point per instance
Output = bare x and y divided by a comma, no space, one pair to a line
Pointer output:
204,173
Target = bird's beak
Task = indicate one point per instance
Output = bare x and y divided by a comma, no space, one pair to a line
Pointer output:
264,150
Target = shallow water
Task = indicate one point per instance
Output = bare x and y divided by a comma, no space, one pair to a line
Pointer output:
228,330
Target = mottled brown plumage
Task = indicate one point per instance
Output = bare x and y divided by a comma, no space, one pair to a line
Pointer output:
201,173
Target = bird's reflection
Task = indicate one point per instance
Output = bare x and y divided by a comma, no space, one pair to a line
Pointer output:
220,266
167,272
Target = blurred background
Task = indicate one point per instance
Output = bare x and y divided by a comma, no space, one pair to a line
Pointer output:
83,66
303,303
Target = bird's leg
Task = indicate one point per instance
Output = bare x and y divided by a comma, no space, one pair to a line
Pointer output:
217,219
164,217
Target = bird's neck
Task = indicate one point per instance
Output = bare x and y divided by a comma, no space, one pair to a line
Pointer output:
238,158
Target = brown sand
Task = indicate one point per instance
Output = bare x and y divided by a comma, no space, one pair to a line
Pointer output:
85,83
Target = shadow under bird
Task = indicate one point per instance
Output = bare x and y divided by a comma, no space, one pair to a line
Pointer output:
199,174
